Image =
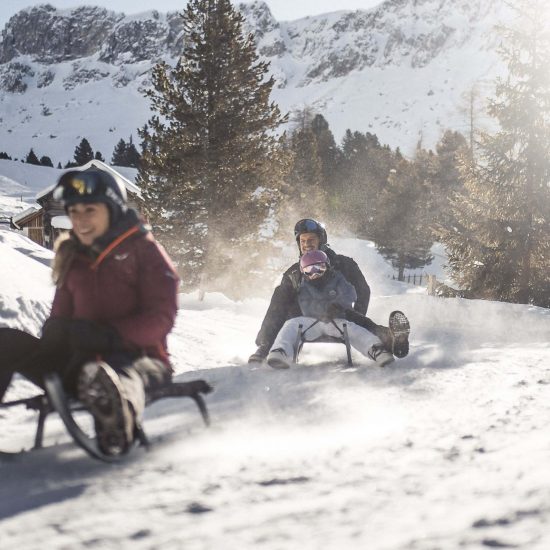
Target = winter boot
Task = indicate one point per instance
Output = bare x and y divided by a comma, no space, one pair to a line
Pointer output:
381,355
277,359
259,355
101,392
400,328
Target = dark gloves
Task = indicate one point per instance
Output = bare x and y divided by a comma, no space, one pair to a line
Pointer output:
55,336
94,337
80,335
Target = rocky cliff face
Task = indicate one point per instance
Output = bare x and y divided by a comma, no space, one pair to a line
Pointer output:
345,64
409,32
52,36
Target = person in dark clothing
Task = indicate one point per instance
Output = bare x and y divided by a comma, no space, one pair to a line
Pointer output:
114,305
324,297
310,235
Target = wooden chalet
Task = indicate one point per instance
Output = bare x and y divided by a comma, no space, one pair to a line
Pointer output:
46,223
31,223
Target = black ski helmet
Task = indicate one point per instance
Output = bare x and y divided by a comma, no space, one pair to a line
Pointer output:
89,186
308,225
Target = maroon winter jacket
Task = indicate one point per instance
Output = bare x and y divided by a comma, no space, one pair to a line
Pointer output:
131,286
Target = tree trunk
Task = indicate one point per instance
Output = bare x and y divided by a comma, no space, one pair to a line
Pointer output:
202,286
525,276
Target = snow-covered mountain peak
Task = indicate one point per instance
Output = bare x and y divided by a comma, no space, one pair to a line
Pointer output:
83,67
50,35
258,15
398,32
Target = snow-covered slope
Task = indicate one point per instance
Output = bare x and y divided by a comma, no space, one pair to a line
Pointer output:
404,70
25,287
24,181
447,448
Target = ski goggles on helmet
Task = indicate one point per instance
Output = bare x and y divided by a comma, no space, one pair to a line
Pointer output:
307,225
79,185
85,186
314,271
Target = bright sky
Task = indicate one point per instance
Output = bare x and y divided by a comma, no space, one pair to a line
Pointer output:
281,9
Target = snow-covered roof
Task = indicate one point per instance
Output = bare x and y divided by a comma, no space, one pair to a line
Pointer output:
130,186
23,215
61,222
44,192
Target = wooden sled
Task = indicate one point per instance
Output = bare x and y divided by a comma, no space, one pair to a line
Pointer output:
54,399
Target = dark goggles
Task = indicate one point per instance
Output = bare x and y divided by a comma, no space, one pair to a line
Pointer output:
306,226
79,186
314,271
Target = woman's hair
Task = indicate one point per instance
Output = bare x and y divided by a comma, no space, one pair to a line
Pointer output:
65,248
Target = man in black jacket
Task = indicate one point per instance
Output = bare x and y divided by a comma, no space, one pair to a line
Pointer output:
310,235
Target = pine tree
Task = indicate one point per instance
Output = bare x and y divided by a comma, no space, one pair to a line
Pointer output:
126,154
399,226
450,148
119,154
99,156
210,161
330,158
32,158
362,175
59,166
309,190
83,153
326,148
304,193
132,155
4,156
46,161
499,246
301,119
447,182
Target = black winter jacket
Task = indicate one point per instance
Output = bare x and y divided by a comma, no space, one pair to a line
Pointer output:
284,302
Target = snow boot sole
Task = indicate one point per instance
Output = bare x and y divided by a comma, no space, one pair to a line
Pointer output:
100,391
400,328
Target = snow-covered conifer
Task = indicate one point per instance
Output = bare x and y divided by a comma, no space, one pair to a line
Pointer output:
210,159
499,245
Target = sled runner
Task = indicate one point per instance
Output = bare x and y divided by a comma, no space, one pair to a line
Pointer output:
342,339
54,399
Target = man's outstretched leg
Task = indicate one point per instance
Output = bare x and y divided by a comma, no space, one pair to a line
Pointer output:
389,341
394,339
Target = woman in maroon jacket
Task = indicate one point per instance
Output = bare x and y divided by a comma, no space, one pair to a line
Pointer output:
114,305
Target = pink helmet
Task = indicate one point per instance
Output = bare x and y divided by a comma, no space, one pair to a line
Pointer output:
314,263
